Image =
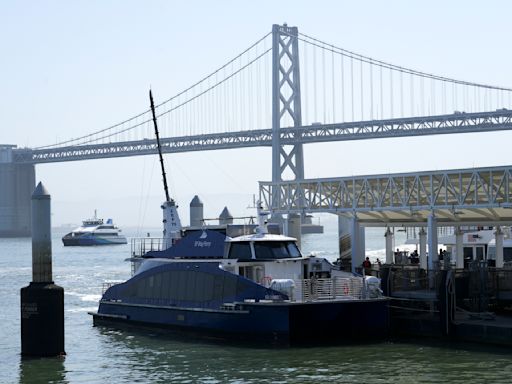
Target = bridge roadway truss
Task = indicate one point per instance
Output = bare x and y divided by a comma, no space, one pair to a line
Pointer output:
472,196
316,133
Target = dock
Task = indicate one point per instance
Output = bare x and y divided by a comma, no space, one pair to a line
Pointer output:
470,305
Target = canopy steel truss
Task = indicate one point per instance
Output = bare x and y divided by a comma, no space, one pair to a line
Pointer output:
480,195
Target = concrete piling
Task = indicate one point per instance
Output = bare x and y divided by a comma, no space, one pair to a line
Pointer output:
225,217
42,302
196,212
293,227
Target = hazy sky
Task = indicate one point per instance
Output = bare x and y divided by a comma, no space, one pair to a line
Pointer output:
71,68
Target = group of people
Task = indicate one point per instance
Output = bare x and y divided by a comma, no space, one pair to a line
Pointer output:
367,265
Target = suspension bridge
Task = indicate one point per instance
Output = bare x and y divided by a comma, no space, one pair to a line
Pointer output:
288,89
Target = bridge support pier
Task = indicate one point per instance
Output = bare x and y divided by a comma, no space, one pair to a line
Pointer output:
17,182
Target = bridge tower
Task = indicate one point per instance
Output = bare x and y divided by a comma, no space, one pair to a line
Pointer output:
17,182
286,103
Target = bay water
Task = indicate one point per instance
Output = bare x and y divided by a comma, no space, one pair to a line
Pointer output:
104,355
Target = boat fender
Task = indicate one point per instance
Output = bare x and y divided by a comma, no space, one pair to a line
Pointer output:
345,288
373,286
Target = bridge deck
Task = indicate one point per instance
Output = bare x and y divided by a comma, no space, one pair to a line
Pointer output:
316,133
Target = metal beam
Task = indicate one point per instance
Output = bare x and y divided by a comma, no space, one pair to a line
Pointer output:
464,195
413,126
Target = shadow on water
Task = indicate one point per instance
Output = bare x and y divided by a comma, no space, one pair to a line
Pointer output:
453,345
215,340
42,370
183,357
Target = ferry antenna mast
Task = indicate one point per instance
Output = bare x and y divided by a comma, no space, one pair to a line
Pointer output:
159,147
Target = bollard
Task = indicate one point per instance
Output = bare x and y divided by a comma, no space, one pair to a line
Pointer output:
42,302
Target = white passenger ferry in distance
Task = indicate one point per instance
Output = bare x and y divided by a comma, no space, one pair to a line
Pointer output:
95,232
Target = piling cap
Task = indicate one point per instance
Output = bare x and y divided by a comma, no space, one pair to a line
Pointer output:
225,214
196,202
40,192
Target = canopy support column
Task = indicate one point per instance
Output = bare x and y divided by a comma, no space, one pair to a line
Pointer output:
423,248
499,247
459,249
389,246
432,241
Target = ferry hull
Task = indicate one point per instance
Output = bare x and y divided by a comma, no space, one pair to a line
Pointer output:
281,322
87,241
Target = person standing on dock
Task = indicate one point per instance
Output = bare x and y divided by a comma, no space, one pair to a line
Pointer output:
367,265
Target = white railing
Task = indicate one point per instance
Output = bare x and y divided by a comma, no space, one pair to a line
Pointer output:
329,289
140,246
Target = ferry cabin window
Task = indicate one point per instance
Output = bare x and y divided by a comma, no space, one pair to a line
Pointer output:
293,250
240,251
269,250
184,286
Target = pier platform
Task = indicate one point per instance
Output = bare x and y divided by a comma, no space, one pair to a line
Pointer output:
457,305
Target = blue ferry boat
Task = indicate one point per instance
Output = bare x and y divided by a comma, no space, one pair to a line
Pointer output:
256,286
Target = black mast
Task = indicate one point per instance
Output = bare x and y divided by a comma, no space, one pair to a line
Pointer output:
159,148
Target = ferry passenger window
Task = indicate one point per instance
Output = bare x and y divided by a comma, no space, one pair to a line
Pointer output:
240,251
217,287
189,293
229,286
270,250
293,250
165,291
208,281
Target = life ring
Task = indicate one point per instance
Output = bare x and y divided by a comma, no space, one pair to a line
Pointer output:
266,280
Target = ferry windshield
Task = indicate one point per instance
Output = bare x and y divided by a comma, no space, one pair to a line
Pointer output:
275,250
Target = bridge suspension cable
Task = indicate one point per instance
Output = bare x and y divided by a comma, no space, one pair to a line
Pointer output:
187,123
365,59
338,85
361,88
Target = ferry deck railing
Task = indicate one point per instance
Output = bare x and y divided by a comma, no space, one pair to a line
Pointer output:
140,246
329,289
